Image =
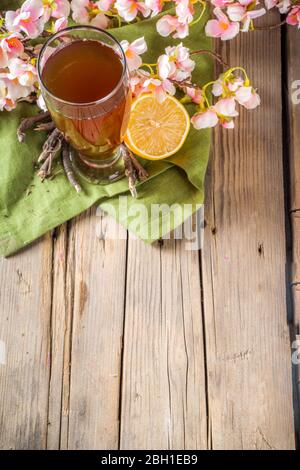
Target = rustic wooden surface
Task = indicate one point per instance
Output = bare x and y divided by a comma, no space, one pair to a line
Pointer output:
114,344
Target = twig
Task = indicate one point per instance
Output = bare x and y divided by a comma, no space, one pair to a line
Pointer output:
68,167
28,99
51,146
213,54
184,84
130,172
47,126
142,173
29,122
46,168
272,26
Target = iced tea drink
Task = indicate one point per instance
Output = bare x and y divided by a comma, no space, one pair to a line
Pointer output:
85,85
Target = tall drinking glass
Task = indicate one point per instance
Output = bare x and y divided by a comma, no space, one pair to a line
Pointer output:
85,84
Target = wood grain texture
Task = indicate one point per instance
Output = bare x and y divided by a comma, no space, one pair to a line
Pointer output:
293,83
164,391
243,262
59,336
25,306
293,147
95,283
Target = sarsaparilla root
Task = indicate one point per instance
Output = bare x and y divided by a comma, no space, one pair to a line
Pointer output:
56,146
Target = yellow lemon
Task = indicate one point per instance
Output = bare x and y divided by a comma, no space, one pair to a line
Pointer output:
156,130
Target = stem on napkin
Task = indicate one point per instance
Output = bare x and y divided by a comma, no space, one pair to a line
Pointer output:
30,122
68,166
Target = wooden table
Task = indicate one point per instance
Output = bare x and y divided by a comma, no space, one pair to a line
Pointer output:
112,343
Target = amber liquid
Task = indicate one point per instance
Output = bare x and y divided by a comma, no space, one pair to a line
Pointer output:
78,75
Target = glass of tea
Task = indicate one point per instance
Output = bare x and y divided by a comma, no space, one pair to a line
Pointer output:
85,84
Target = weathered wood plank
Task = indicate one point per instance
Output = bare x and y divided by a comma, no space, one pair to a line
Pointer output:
25,310
59,337
248,348
163,392
293,85
95,286
293,68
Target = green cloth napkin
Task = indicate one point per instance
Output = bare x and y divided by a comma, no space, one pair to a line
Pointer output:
30,208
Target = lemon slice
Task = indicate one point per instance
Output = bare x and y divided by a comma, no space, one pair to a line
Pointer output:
156,130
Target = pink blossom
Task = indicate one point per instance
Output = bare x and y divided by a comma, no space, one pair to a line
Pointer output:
235,83
129,9
205,119
180,56
284,6
160,88
86,12
175,63
236,12
22,71
155,6
105,5
226,108
60,23
240,13
10,47
5,102
11,91
185,11
169,24
221,27
80,9
222,3
271,4
218,87
223,111
221,86
133,51
195,94
294,17
165,67
56,9
28,19
247,97
137,80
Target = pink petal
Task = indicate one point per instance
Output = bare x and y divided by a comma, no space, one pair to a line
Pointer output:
60,24
232,30
166,25
100,21
133,60
163,66
182,31
256,13
3,58
243,94
34,7
205,119
226,107
228,124
213,29
139,45
253,102
62,9
10,18
236,12
220,15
